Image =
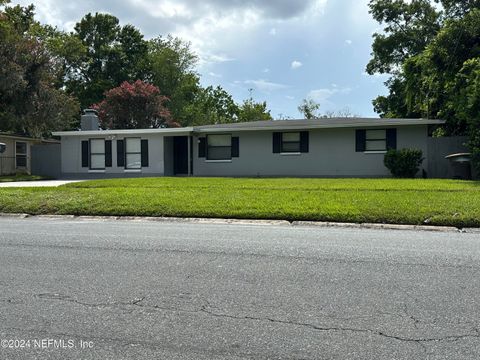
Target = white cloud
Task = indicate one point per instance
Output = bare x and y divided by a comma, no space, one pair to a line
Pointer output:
296,64
348,42
265,86
273,31
207,58
323,96
266,70
212,74
289,97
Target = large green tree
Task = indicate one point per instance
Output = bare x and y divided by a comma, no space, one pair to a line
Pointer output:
46,72
250,110
171,66
437,76
114,54
31,103
213,105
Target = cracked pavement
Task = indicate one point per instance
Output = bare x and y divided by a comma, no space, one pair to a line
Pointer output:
165,290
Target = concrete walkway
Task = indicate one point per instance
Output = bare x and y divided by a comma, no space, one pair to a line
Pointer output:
41,183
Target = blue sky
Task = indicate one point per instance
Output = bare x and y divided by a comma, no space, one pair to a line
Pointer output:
283,50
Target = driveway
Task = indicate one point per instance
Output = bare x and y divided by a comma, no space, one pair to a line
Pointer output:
41,183
151,290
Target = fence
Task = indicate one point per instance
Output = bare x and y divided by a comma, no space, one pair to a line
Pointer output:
438,148
46,160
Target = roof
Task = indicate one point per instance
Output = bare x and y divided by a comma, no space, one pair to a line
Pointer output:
124,131
316,124
324,123
26,138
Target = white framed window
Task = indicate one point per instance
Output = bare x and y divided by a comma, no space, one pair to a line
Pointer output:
97,154
376,140
219,147
20,154
133,153
290,142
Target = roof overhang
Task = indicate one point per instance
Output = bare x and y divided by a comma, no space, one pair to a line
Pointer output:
262,126
163,131
292,125
26,138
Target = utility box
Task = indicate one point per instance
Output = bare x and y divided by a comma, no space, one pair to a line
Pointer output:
461,164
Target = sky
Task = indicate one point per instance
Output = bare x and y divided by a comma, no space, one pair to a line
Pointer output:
278,51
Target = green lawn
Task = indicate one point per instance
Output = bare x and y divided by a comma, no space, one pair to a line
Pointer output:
21,177
439,202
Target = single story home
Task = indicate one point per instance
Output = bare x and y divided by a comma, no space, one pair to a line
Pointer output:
16,159
335,147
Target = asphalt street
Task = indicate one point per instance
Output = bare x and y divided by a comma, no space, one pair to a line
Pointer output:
89,289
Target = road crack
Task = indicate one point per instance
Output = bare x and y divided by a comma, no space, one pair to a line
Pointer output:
204,309
207,310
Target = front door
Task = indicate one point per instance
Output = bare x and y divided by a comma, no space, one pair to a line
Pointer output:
180,155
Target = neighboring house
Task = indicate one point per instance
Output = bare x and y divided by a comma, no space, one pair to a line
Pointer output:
338,147
18,153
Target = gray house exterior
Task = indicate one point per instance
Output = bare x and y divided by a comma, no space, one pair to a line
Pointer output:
337,147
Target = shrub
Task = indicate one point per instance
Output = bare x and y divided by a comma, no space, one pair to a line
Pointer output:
403,163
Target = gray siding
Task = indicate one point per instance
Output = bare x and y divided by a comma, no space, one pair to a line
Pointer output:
7,159
72,158
331,154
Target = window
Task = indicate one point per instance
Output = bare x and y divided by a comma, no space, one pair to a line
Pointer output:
376,140
291,142
219,147
97,154
133,153
21,154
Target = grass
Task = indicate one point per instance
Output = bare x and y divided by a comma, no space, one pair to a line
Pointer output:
419,201
21,177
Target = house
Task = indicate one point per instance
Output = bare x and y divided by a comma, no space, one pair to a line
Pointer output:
337,147
17,157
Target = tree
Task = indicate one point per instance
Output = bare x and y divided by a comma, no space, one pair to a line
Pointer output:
30,102
465,103
171,66
250,110
409,27
345,112
309,108
137,105
213,106
114,54
458,8
440,77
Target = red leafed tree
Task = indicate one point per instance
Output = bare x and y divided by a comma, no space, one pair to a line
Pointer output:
137,105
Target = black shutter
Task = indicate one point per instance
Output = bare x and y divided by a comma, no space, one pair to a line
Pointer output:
391,139
201,147
120,153
144,149
85,153
108,153
235,147
360,139
304,141
277,142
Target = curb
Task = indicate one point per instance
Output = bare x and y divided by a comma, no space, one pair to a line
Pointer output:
374,226
380,226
